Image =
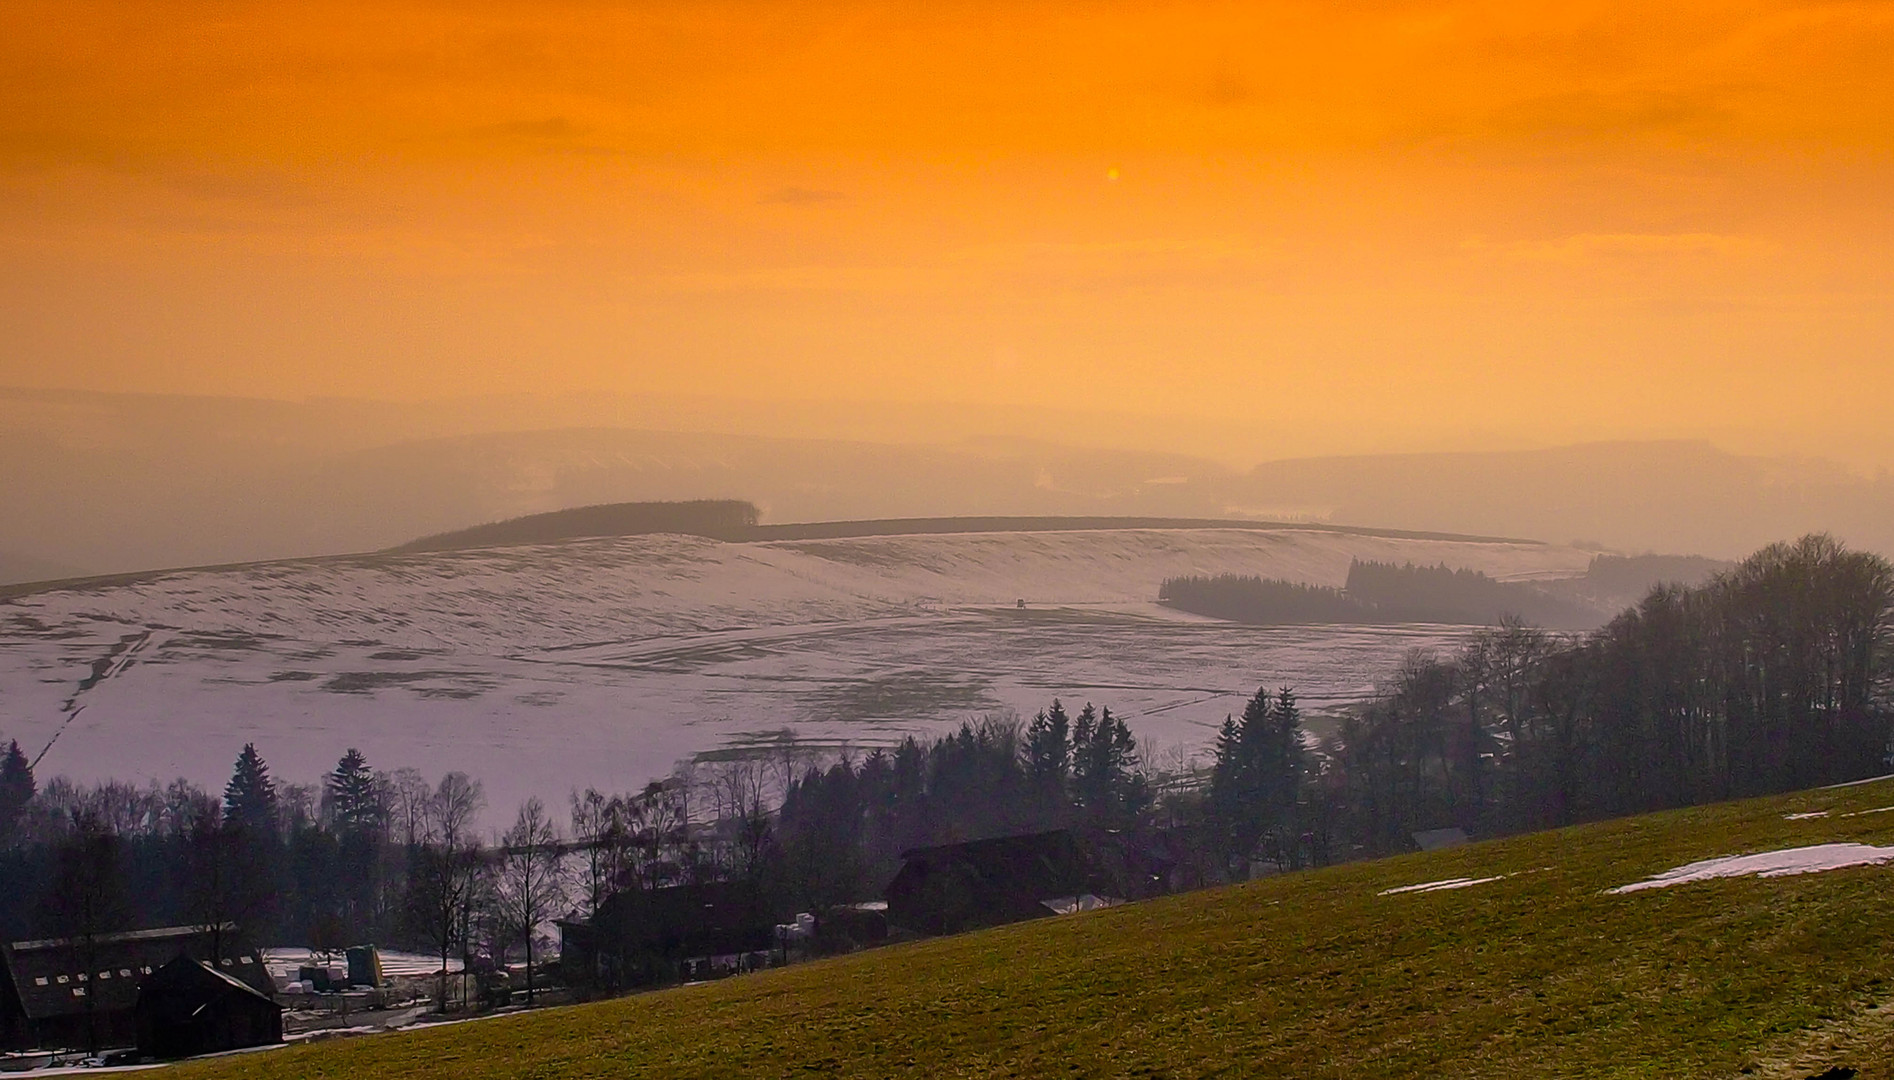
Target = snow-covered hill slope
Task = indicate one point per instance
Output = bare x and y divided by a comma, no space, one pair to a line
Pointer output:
602,662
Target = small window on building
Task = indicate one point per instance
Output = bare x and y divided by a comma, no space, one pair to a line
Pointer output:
246,960
105,974
82,976
63,980
41,981
226,961
124,973
146,970
78,991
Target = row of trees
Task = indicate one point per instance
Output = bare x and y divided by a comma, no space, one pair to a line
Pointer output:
1376,593
389,857
385,856
1774,676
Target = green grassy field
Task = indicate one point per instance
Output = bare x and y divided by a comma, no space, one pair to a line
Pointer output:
1310,975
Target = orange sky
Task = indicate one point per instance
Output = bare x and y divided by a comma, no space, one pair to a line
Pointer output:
1373,226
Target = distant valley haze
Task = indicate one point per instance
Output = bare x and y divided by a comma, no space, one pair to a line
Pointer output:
106,483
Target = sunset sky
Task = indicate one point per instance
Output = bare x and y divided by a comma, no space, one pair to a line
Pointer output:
1378,225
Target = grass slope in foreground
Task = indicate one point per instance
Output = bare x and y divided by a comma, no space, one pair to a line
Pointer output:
1540,973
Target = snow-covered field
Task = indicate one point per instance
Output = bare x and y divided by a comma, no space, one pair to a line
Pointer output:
604,662
284,962
1768,864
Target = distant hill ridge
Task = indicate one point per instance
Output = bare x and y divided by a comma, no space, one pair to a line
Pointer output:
736,520
718,519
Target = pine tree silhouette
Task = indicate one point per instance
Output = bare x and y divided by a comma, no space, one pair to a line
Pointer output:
353,801
16,789
250,797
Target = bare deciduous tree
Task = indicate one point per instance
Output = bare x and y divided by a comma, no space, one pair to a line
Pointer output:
602,827
445,869
529,879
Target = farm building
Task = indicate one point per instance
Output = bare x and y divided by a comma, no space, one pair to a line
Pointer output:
1440,839
955,887
189,1007
80,994
642,937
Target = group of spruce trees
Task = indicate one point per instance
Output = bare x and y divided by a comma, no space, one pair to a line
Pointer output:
841,829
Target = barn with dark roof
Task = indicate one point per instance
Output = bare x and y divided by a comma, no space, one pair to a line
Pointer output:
641,937
80,994
189,1007
955,887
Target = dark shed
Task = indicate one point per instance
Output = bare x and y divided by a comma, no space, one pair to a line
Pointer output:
187,1007
955,887
639,937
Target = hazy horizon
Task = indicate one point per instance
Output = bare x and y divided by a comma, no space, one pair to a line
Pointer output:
104,483
1231,441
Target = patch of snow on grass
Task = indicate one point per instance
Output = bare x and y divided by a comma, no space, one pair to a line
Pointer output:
283,962
1788,861
1439,886
1804,816
1876,810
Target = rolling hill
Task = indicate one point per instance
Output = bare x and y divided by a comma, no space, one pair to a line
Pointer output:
603,662
1521,957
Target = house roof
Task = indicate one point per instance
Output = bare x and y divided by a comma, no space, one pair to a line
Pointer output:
162,933
188,976
703,919
714,905
55,976
1036,866
995,846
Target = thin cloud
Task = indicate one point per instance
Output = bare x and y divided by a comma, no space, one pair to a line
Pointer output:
801,196
1581,247
549,128
552,134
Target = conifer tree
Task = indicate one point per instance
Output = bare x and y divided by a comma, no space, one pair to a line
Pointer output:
1249,798
250,797
1256,780
16,789
356,810
1106,779
1226,785
1049,747
354,802
1282,780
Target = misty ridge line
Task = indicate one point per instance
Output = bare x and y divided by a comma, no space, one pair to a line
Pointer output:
94,485
736,521
722,520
